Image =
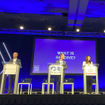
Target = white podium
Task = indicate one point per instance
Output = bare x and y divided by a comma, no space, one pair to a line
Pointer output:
91,70
10,69
55,70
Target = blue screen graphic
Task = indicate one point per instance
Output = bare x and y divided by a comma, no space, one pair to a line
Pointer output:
47,51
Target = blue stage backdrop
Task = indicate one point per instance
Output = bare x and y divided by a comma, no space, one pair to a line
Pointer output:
24,45
47,51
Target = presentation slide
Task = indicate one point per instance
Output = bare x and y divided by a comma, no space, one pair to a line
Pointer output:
47,51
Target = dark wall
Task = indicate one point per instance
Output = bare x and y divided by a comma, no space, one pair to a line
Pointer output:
101,61
24,44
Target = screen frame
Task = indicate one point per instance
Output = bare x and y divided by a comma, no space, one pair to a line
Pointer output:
60,38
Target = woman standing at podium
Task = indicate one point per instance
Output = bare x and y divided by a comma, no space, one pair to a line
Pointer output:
89,79
63,63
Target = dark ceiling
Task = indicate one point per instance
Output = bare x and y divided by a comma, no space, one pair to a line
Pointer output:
89,15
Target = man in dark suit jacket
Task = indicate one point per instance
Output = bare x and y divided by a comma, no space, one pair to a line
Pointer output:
63,63
15,60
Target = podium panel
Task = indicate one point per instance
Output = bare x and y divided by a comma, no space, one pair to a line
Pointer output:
10,69
90,70
55,69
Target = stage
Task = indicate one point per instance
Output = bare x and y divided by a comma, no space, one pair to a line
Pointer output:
52,99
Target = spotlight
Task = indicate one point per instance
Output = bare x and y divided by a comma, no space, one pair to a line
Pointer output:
21,28
49,28
104,31
77,30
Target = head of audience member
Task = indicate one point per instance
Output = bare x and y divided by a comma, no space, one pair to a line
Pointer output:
62,56
88,59
15,55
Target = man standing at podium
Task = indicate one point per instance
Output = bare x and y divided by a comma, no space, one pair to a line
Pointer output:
63,63
15,60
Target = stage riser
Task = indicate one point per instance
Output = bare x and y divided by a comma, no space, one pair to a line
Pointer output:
52,100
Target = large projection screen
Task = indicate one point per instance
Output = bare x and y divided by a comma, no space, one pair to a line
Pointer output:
47,51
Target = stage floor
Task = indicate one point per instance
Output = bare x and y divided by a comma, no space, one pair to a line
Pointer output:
52,99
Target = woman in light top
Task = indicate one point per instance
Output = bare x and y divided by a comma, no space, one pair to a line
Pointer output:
88,62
